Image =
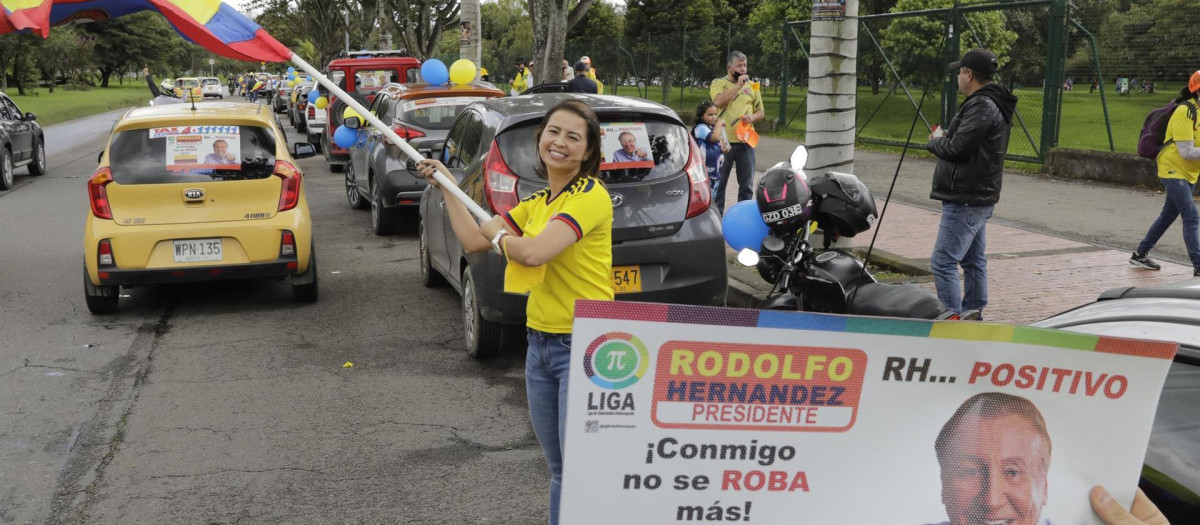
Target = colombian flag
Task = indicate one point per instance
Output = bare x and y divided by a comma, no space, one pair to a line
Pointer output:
210,23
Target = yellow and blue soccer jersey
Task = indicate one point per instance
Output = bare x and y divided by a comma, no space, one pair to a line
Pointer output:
584,269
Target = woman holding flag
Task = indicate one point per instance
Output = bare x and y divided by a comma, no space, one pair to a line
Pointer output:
564,233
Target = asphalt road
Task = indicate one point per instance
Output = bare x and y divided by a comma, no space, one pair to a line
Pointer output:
228,403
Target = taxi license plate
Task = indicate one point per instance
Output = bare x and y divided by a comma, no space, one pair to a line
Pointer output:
627,279
198,250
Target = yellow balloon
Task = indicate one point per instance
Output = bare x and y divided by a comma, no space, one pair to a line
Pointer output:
291,83
462,71
322,102
349,112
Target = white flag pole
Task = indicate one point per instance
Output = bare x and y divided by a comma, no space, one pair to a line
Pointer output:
446,184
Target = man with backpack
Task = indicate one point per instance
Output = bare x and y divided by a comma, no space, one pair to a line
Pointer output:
1169,136
967,180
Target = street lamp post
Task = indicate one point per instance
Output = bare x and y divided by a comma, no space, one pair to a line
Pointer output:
210,67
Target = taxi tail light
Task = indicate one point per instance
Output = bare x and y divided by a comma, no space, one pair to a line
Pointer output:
407,133
104,254
289,192
499,182
700,193
98,195
287,245
312,110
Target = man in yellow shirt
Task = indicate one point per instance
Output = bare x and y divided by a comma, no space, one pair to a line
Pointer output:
591,73
737,102
521,81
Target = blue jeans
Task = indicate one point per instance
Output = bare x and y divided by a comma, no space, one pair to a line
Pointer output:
961,241
1179,202
547,364
741,155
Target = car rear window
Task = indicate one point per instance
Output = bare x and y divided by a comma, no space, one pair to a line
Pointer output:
210,82
433,112
371,80
665,144
191,154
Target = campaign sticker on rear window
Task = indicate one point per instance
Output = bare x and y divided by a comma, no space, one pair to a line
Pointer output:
438,102
625,145
201,147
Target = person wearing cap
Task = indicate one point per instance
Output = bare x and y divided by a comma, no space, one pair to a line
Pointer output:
591,73
521,81
581,83
1178,167
967,180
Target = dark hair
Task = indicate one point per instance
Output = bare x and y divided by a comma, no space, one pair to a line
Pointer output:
1185,95
700,111
991,405
591,157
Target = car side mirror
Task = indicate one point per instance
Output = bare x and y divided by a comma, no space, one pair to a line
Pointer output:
352,122
303,150
30,116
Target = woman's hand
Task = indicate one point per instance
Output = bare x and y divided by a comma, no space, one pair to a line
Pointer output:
426,168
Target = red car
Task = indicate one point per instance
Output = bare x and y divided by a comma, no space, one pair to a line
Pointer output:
364,73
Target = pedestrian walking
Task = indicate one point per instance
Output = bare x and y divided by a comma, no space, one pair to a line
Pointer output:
709,132
736,102
567,230
1178,166
967,180
581,83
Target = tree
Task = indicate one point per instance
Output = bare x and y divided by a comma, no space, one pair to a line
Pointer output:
66,50
1146,41
419,24
596,36
644,23
912,42
131,42
552,20
507,36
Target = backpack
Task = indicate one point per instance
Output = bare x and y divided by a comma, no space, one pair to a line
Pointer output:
1154,130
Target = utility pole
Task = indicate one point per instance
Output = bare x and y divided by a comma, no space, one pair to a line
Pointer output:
470,27
833,87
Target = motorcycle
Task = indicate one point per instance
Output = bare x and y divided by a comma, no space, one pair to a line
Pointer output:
829,281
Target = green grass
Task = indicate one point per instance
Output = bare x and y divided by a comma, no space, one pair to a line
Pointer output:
63,105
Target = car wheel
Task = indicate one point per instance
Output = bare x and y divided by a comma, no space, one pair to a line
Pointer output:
102,299
38,166
430,278
307,292
355,198
484,338
383,219
6,169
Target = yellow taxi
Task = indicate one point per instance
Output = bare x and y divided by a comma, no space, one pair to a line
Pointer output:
188,88
185,195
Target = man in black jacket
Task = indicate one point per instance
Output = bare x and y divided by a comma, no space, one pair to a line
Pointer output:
967,180
581,83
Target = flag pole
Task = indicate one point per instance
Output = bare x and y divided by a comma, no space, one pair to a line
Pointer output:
445,183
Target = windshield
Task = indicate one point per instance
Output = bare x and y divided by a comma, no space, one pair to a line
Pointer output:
651,150
187,82
191,154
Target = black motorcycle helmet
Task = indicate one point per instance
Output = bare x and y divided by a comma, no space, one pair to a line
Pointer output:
844,204
784,199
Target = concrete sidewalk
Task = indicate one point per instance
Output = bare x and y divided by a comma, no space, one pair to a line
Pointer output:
1031,274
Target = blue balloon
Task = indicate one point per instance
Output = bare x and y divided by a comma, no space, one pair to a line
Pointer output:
291,75
743,226
291,69
345,137
313,96
434,72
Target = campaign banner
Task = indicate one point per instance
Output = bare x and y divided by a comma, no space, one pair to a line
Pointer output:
625,145
684,414
201,147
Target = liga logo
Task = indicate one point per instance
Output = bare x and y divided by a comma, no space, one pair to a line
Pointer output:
616,360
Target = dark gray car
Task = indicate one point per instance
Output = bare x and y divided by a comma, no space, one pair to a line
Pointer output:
21,142
379,175
667,244
1171,312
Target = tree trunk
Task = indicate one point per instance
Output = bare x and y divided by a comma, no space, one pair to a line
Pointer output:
552,19
104,74
666,86
832,94
17,77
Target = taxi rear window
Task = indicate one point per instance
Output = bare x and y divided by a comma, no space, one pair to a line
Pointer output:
195,153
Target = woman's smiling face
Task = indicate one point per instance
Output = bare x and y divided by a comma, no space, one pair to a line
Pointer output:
563,143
